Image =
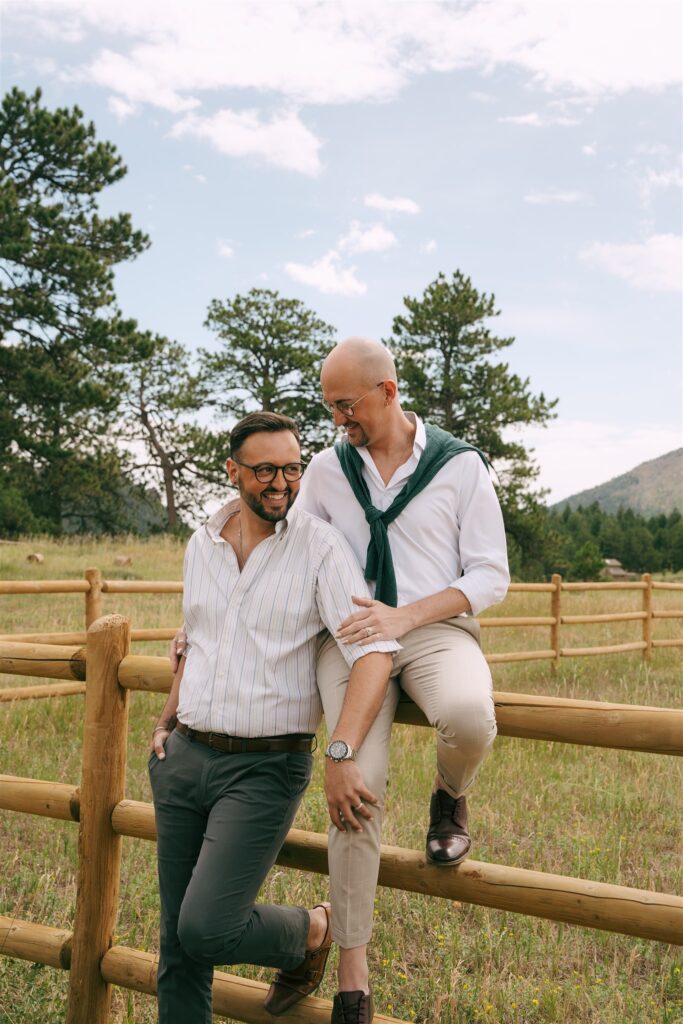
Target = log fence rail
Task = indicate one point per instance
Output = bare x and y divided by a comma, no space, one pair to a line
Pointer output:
94,586
105,816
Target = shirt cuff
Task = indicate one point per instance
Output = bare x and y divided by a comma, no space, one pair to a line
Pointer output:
352,652
481,594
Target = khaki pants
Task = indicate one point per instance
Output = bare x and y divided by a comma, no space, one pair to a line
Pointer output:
441,667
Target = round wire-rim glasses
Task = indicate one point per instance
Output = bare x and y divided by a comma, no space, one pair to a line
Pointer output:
348,408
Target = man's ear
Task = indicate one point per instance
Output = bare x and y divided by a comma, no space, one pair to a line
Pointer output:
390,391
232,470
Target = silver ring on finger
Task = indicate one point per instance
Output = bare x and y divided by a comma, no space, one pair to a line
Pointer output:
359,807
368,630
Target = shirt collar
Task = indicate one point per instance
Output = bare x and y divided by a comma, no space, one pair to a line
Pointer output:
419,444
217,521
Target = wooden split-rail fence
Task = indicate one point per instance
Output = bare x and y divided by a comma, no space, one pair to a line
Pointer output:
94,586
104,815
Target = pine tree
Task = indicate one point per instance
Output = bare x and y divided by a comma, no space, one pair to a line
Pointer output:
451,373
62,332
271,352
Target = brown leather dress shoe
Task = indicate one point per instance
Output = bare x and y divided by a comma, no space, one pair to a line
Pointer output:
448,841
291,986
352,1008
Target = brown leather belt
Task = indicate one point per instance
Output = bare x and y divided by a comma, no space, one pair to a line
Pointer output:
292,744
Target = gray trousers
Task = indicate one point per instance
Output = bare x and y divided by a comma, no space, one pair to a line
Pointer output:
221,820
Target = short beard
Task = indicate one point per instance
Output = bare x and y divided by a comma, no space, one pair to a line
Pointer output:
256,506
362,442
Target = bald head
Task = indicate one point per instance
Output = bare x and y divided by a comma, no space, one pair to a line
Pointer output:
360,361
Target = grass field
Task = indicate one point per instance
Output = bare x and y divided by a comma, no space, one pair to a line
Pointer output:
605,815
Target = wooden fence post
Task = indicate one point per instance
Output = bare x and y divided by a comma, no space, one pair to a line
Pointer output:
555,611
647,621
99,847
93,597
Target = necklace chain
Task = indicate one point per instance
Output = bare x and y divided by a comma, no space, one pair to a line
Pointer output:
239,540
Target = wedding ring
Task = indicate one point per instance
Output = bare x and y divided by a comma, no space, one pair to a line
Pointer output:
360,805
368,630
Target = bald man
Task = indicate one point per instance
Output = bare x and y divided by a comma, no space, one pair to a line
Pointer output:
421,514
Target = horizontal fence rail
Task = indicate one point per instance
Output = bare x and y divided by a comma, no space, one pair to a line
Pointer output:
104,816
137,970
528,716
95,585
600,905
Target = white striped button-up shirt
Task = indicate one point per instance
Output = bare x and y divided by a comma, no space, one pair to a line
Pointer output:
252,635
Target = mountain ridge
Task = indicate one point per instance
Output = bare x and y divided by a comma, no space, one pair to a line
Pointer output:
650,488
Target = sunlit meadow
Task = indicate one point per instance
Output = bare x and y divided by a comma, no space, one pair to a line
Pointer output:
606,815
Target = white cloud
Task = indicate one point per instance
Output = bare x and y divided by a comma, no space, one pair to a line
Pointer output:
590,149
574,455
120,108
200,178
135,80
653,265
482,97
554,196
373,238
395,204
533,120
306,233
224,249
653,149
327,275
341,53
429,247
653,181
283,140
536,120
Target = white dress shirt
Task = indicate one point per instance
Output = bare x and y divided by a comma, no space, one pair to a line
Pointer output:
250,668
451,534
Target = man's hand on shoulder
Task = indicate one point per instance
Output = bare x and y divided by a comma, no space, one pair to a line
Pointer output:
375,621
177,648
347,794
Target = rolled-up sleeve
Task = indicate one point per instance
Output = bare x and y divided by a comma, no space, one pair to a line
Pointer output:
340,578
482,542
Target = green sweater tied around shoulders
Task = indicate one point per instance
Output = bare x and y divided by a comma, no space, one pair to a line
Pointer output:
439,449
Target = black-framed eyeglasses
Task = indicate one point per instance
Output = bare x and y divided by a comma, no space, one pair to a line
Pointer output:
265,472
348,408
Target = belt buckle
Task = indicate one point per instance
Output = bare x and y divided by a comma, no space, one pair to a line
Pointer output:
211,735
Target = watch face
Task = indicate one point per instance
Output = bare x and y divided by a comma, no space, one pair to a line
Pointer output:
338,750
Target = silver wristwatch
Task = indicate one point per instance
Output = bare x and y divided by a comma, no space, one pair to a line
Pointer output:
339,750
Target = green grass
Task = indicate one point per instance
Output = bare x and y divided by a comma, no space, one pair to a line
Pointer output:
606,815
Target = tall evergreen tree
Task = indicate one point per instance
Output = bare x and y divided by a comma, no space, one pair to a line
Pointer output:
451,373
270,357
62,333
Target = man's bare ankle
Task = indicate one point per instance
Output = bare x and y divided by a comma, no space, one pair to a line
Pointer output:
317,929
352,972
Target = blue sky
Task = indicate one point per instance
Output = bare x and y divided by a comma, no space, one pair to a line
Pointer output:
344,154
